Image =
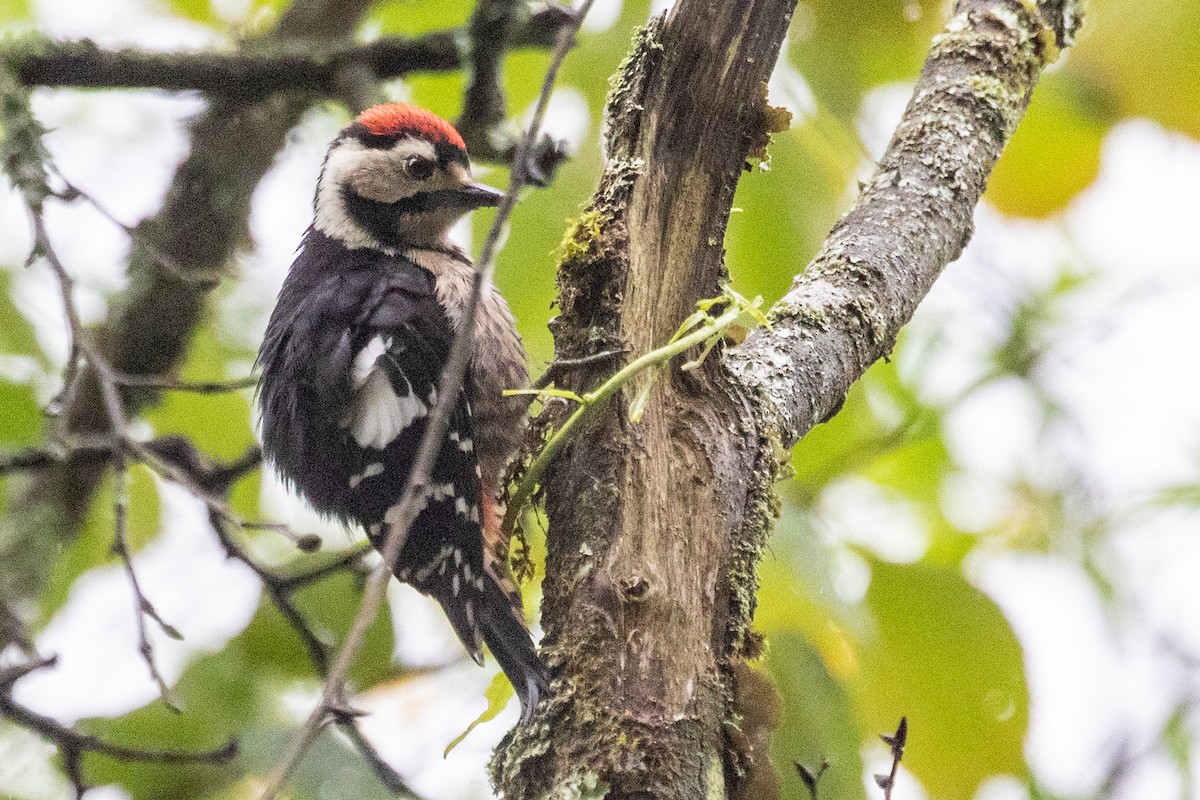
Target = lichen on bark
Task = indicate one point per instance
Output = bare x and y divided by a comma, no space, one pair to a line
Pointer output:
637,552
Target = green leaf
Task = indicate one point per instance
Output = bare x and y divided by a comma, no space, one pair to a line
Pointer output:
201,11
498,693
330,607
1142,55
15,10
782,216
844,445
220,698
842,55
418,16
1054,154
817,722
273,647
941,653
22,421
218,424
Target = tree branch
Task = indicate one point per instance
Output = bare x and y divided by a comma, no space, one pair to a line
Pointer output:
73,745
637,594
495,26
251,76
912,218
656,528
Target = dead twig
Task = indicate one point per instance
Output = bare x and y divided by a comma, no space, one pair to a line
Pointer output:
82,349
73,745
811,777
896,742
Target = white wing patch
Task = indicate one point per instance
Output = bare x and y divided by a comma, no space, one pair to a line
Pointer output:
378,414
367,360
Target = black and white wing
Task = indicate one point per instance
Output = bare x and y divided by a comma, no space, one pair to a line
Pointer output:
349,379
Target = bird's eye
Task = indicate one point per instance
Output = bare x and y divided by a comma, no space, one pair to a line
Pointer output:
419,168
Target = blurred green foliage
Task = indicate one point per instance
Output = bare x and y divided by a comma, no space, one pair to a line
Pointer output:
916,638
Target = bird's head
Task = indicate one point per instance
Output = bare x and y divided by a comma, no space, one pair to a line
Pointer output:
397,176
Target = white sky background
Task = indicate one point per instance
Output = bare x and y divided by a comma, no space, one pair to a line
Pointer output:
1121,364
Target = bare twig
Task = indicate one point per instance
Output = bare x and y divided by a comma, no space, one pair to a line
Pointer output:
492,25
196,387
491,31
811,777
42,247
177,460
333,700
199,279
896,742
40,458
82,347
200,225
73,745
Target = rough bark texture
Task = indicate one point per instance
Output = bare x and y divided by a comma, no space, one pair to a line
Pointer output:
656,528
640,615
198,229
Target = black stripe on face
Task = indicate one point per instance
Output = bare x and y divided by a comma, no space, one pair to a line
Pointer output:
383,220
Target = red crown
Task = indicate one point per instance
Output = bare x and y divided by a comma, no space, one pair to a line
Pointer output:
401,119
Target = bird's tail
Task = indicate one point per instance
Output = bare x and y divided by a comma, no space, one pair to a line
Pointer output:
489,611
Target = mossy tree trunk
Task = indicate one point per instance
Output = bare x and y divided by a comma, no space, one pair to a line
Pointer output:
649,582
656,527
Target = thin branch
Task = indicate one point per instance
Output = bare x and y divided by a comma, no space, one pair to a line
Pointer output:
811,777
199,279
73,745
196,387
280,589
177,460
333,695
200,224
491,31
174,458
894,741
82,346
251,76
142,607
42,247
41,458
492,25
346,561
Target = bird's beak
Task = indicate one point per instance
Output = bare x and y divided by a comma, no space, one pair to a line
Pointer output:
478,195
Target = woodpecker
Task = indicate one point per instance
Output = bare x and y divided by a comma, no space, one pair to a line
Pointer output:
351,360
